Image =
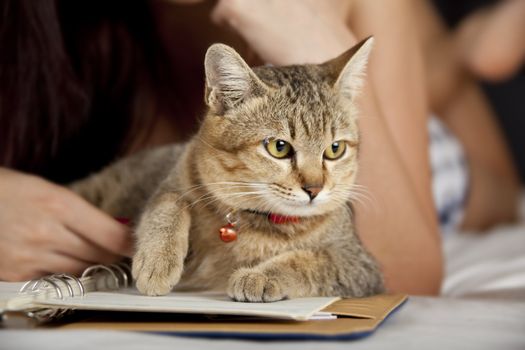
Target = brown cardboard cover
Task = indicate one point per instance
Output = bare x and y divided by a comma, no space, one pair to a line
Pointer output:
357,315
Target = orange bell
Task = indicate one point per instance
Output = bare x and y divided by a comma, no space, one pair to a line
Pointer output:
228,233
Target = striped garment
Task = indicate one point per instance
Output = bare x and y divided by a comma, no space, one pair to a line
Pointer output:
450,175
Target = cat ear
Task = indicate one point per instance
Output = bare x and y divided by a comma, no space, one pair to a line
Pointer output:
348,69
229,80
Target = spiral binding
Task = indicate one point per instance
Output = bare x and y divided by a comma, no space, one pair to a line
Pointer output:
119,272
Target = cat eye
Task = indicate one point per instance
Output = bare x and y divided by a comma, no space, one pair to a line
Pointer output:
278,148
335,151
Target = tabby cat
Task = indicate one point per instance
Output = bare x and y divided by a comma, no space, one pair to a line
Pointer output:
274,165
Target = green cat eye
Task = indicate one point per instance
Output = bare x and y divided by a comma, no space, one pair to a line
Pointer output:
335,151
278,148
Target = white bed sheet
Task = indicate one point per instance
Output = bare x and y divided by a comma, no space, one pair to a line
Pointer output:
490,265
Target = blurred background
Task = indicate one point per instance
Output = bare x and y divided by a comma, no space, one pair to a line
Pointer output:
508,96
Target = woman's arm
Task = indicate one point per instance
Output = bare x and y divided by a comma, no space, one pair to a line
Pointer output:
397,71
398,227
408,240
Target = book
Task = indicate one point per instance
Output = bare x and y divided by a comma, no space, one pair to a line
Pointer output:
103,298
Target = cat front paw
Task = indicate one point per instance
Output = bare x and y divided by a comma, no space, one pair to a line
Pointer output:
154,273
250,285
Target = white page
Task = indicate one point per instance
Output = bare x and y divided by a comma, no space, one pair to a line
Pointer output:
8,290
194,303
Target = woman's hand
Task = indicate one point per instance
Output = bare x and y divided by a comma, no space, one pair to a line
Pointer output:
291,31
45,228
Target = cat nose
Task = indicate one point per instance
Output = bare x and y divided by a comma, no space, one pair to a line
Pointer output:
312,190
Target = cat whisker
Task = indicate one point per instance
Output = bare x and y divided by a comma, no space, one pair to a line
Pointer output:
288,197
364,190
228,184
214,198
359,190
344,203
194,188
246,183
354,197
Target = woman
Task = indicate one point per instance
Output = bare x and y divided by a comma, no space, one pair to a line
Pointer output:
400,228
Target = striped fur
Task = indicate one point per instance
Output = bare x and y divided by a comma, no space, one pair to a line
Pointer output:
179,195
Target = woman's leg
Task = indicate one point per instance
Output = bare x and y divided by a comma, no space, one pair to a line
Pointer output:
494,184
458,101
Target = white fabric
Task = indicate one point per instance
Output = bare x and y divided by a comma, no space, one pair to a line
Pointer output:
477,263
490,264
450,176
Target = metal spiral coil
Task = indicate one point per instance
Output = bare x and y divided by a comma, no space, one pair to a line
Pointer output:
62,283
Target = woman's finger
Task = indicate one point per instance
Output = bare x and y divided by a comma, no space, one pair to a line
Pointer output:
94,225
76,246
58,263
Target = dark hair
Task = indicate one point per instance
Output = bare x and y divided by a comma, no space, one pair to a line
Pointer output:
76,82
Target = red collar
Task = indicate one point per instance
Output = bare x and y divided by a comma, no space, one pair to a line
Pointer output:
228,233
277,218
283,219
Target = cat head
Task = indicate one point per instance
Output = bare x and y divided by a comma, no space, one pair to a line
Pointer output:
281,140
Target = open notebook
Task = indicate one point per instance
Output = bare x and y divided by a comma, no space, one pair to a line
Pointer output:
113,304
